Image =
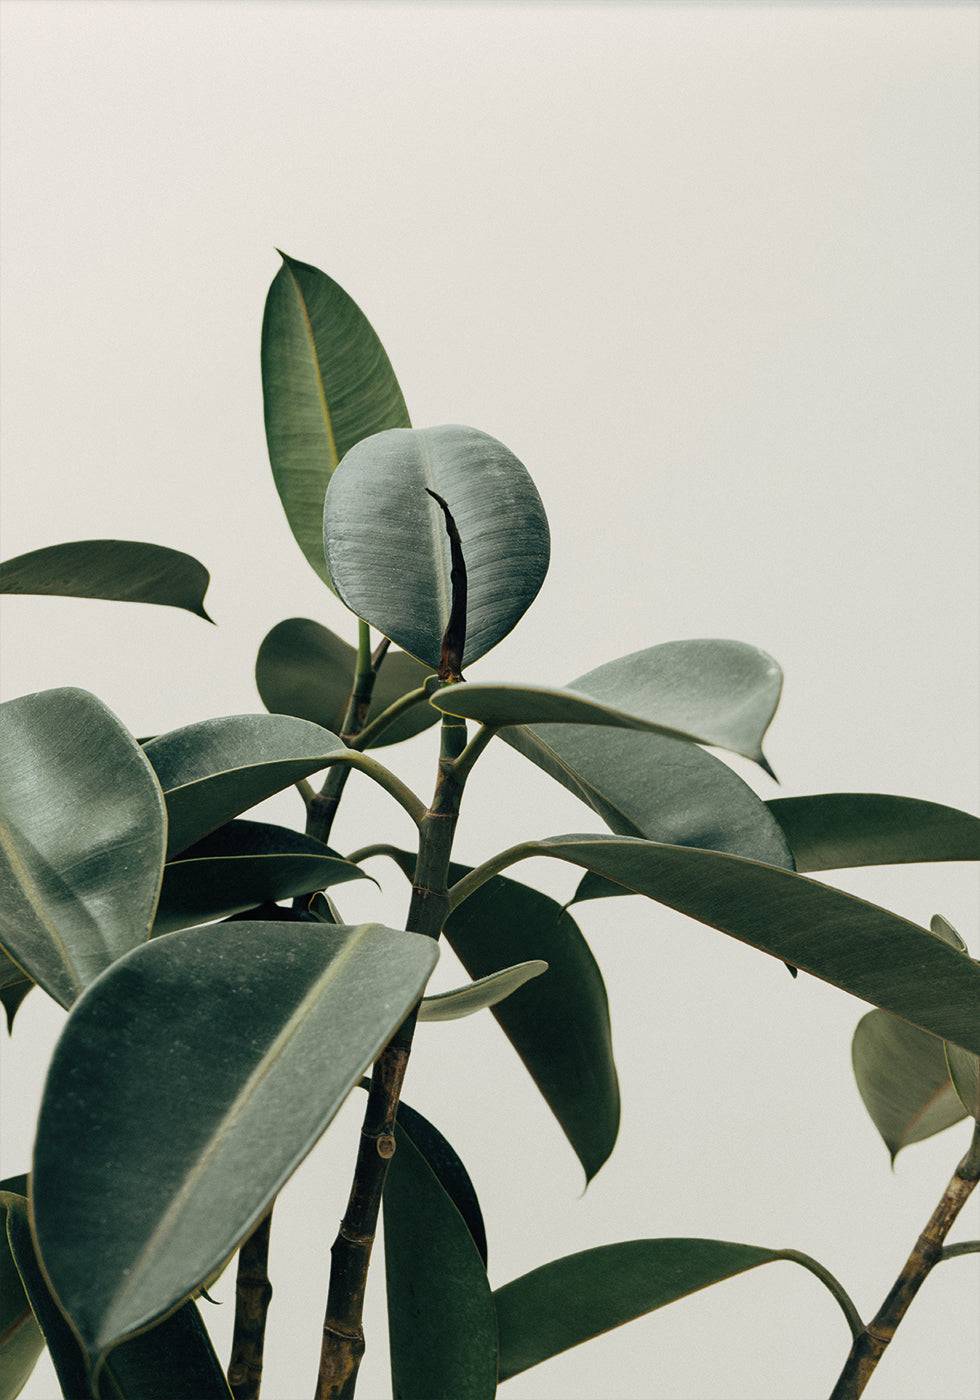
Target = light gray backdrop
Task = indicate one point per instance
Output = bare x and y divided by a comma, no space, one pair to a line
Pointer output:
711,273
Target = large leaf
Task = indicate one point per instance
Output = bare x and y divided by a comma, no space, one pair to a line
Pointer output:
82,830
902,1077
174,1359
449,1171
388,549
21,1342
242,865
126,570
867,951
326,383
304,669
836,830
478,995
713,692
441,1325
583,1295
188,1084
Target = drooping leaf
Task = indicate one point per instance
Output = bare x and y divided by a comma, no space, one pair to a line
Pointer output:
21,1342
251,1035
441,1326
478,995
303,669
867,951
838,830
82,830
326,383
241,865
388,550
128,571
902,1078
583,1295
173,1359
712,692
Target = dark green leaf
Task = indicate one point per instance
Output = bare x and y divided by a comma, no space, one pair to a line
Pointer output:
902,1078
251,1035
441,1326
449,1171
327,383
82,830
477,996
128,571
303,669
14,987
21,1342
388,549
837,830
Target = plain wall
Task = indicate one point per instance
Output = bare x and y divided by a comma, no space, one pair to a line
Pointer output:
711,272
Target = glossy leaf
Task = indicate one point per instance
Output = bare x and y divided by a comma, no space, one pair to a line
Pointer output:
240,866
838,830
251,1035
388,549
477,996
712,692
21,1342
866,951
326,383
441,1325
583,1295
303,669
902,1078
82,830
128,571
449,1171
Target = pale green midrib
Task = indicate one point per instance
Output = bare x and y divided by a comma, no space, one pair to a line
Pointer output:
318,375
437,528
248,1090
36,902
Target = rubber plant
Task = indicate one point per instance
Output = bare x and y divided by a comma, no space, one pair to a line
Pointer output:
138,895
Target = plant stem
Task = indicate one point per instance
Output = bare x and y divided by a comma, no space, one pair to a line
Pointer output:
381,722
343,1332
323,808
869,1347
253,1292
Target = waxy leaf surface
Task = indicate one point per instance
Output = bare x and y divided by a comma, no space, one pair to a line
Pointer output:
477,996
251,1035
838,830
902,1078
127,571
21,1341
444,1161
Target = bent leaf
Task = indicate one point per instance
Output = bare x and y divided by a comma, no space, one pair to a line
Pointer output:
448,1169
21,1342
326,383
476,996
839,830
388,550
82,830
251,1035
903,1081
303,669
127,571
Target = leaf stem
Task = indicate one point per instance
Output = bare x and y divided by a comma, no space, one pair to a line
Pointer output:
953,1251
869,1346
835,1286
480,874
322,809
381,722
473,750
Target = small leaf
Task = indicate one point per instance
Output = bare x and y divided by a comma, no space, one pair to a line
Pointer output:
327,383
127,571
476,996
943,929
82,830
839,830
14,987
964,1071
251,1036
303,669
389,553
21,1342
902,1078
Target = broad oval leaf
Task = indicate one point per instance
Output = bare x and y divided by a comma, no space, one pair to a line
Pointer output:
712,692
477,996
388,550
903,1081
442,1329
839,830
21,1341
326,383
82,831
242,865
304,669
128,571
251,1035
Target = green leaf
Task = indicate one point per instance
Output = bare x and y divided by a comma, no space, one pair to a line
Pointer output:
388,549
441,1326
14,987
583,1295
127,571
188,1084
449,1171
476,996
866,951
21,1342
902,1078
712,692
303,669
242,865
326,383
838,830
964,1071
943,929
174,1359
82,829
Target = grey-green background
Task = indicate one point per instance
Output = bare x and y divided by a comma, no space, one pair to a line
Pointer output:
711,273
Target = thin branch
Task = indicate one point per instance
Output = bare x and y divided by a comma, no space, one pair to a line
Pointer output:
953,1251
381,722
253,1293
473,750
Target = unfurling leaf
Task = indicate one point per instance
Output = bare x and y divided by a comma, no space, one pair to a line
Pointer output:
478,995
